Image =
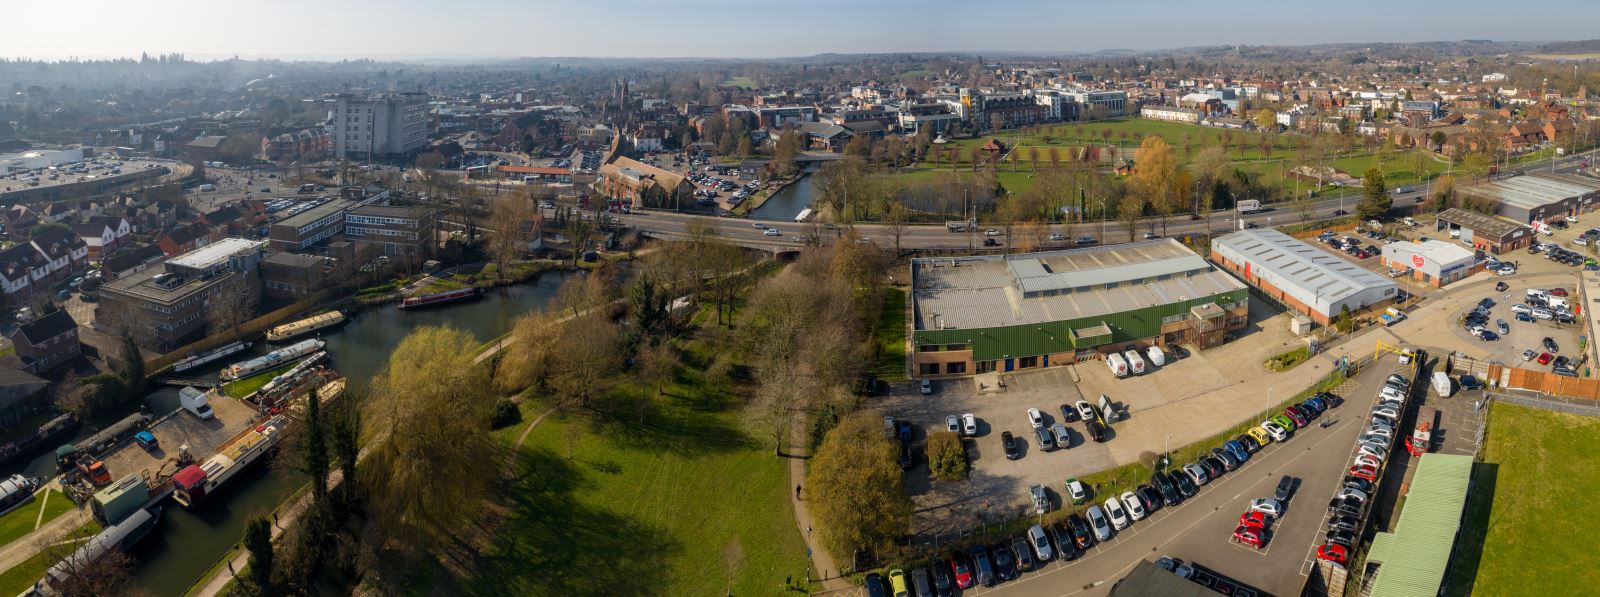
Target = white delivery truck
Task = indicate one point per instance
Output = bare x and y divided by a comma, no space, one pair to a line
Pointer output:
1441,383
1119,366
1135,362
1157,357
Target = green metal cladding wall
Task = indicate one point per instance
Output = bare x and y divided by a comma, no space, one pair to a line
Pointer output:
1014,341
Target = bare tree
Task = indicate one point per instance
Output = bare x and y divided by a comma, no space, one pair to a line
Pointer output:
513,226
894,220
232,305
110,573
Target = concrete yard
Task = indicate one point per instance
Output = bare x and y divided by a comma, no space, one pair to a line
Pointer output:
183,429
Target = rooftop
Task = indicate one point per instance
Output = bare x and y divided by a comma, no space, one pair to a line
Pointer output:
390,211
319,212
1413,558
1481,224
210,255
1437,251
1300,264
995,290
1535,189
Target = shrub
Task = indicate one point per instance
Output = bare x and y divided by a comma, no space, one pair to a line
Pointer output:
505,413
947,457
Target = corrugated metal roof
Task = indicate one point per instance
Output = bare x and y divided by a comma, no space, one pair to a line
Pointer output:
1414,557
1033,276
1313,276
1535,190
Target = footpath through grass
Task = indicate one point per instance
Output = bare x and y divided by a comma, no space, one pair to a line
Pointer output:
20,577
680,501
1526,529
25,519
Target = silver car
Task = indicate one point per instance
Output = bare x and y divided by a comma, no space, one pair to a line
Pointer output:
1040,543
1097,521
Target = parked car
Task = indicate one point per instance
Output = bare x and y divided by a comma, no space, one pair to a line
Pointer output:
1184,484
1248,536
1267,505
969,425
1286,486
1098,522
962,566
1066,546
952,423
1082,536
1115,511
1068,414
1077,492
1009,443
1039,543
1131,503
1196,473
982,565
1167,489
1005,563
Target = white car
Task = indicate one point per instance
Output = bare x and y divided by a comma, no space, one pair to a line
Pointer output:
1268,506
1381,430
1278,434
772,232
1058,237
952,424
1077,491
1134,506
991,232
1523,309
1368,460
1374,439
926,386
1571,219
1040,543
1119,518
1035,419
969,425
1085,411
1097,520
1375,451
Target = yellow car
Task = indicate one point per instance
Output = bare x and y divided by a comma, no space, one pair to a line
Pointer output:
1260,435
897,582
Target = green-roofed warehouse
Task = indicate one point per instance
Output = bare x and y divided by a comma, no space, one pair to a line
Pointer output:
1011,312
1412,560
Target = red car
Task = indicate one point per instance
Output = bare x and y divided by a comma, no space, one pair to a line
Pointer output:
1254,520
1294,415
1545,357
1364,472
1251,536
963,570
1332,552
1557,292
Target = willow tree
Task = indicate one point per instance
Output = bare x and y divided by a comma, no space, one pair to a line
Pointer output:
427,469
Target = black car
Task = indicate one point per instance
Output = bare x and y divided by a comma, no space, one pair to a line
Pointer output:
1550,344
1149,497
1005,563
1080,532
989,242
876,587
1560,362
1023,554
1250,444
1344,503
1066,549
1168,490
944,584
1285,489
1185,485
1229,463
1500,286
1068,413
1096,430
983,565
907,460
1007,441
1213,466
1341,537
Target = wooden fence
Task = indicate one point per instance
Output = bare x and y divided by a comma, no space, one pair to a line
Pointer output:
249,328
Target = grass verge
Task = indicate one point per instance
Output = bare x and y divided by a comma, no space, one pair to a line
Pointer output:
248,385
1520,535
22,576
22,521
680,483
1288,360
889,337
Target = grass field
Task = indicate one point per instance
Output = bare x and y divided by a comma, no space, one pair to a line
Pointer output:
1524,533
740,81
1016,182
890,337
22,521
20,577
676,505
248,385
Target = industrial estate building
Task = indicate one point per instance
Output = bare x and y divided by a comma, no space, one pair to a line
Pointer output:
1007,312
1303,277
1434,262
1538,196
1485,232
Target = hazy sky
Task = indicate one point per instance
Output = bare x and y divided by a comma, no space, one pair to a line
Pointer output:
742,28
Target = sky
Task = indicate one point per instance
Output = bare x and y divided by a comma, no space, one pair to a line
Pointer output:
487,29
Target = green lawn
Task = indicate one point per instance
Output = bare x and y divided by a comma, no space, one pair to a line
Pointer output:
646,508
917,73
21,521
248,385
740,81
1526,509
1016,182
440,285
890,337
22,576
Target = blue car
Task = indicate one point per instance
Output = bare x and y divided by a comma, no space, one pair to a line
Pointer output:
1316,403
1237,449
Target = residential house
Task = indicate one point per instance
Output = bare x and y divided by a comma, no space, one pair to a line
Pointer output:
64,254
184,238
21,267
47,342
99,238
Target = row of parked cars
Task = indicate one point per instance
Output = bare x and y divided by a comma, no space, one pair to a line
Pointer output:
1352,245
1562,255
1350,501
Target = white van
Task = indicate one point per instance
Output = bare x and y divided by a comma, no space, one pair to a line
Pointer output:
1157,357
207,188
1537,293
1119,367
1135,362
1556,302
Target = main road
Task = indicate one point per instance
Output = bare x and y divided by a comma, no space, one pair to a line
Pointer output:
925,236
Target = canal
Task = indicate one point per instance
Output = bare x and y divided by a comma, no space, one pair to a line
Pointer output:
789,201
188,543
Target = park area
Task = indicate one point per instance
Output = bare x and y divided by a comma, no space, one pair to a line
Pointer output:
682,500
1527,530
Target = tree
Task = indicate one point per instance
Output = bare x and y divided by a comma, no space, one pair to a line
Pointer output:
1444,190
1438,139
344,437
513,223
1344,323
894,219
426,467
855,487
586,358
110,574
1376,202
258,541
1155,178
1266,120
947,458
129,367
648,303
314,447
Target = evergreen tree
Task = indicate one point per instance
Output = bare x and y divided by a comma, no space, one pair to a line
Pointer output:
1377,201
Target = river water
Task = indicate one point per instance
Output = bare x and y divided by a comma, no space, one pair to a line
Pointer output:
189,542
789,201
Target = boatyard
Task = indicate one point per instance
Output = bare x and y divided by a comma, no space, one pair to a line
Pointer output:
174,431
